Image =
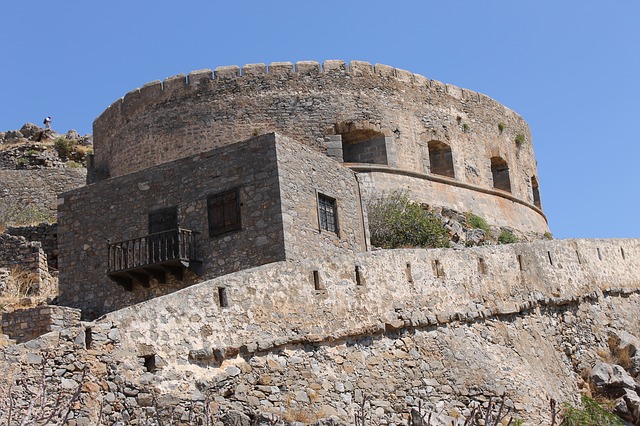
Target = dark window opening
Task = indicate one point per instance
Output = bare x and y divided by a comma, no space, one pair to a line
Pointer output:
438,270
482,267
599,254
222,297
500,173
224,212
149,362
550,259
359,278
440,159
536,192
88,338
622,252
327,213
361,143
520,264
317,284
578,256
409,274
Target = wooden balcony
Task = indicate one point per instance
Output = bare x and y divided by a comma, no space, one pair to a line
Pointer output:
153,257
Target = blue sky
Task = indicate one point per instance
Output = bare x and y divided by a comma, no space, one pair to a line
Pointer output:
570,68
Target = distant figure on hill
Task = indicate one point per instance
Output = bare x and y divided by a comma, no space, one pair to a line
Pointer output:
47,123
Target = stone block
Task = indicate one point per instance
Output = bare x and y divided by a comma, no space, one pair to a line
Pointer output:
254,69
307,67
334,65
196,76
230,71
280,68
384,70
360,68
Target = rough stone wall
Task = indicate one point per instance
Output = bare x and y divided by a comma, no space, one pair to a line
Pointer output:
27,255
415,332
497,207
304,174
37,189
45,233
186,184
183,115
27,324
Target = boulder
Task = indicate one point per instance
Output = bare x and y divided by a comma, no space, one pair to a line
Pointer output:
72,135
633,404
13,134
612,379
30,130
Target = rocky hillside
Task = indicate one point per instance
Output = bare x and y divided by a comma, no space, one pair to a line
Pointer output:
35,165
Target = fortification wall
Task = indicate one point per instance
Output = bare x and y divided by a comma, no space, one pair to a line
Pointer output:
27,324
33,192
26,256
45,233
436,329
378,290
497,207
184,115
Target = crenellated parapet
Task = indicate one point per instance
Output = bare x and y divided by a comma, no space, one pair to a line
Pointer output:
357,113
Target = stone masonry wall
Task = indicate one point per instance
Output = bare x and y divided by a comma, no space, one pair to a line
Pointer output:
303,175
27,324
184,115
495,206
36,189
438,330
45,233
23,254
127,201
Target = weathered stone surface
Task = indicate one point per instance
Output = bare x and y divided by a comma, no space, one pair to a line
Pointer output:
612,378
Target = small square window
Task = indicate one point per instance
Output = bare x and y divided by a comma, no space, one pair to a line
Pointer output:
224,212
327,213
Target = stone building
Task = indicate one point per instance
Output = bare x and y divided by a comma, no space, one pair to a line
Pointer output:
202,175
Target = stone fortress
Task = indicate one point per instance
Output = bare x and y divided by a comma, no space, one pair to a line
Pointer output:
221,253
352,134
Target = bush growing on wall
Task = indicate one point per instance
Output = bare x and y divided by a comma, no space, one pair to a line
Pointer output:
395,221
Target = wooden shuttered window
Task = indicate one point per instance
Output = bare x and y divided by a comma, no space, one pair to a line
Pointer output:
224,212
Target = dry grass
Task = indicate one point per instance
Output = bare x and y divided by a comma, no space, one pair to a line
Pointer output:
25,289
620,355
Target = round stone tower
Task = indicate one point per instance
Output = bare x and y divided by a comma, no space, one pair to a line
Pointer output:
447,146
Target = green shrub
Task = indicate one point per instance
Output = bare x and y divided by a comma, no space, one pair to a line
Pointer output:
501,126
73,164
465,127
395,221
476,221
21,162
548,235
507,237
591,414
64,147
520,138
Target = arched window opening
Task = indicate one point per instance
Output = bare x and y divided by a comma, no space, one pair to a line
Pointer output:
536,192
440,159
362,143
500,172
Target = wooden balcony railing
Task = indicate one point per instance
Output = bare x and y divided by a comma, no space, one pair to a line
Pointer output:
151,256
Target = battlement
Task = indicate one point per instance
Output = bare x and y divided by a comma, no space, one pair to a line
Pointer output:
359,69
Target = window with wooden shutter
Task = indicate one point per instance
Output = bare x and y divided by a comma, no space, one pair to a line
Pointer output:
224,212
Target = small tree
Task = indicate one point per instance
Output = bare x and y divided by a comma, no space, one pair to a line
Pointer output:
395,221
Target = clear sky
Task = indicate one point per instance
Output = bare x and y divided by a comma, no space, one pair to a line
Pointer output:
570,68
